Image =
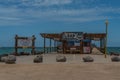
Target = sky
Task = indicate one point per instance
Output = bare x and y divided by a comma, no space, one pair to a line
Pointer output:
32,17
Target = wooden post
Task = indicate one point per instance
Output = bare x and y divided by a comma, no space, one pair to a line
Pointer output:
44,44
90,47
50,44
57,45
33,44
63,46
81,47
54,45
100,43
105,46
16,44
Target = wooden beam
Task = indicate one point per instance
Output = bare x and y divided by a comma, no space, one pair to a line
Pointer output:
52,36
92,35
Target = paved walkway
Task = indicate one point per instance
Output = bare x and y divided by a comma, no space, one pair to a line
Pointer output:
71,58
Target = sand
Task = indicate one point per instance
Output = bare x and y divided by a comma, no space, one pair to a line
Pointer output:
73,69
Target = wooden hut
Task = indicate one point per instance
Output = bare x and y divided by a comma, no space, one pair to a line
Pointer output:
76,42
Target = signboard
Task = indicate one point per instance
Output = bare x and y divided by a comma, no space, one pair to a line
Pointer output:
24,42
86,49
72,36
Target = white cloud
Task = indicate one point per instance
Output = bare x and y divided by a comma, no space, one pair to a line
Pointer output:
83,19
18,15
45,2
10,15
56,2
9,18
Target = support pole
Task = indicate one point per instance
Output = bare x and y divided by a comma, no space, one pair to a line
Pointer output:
50,45
54,45
44,44
63,46
16,44
33,44
57,45
106,38
81,47
101,44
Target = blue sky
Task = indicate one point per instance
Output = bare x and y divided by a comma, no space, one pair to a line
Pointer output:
32,17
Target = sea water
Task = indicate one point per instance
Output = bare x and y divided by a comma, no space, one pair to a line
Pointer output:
9,50
113,49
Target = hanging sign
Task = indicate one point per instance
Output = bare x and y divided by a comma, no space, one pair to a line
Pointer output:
72,35
86,49
25,42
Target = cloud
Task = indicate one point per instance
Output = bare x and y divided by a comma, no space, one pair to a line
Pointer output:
38,3
74,15
53,2
19,15
9,18
33,3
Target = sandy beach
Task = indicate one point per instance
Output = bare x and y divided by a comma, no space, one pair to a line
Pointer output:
73,69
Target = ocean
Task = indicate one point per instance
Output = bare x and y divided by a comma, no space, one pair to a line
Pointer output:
8,50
